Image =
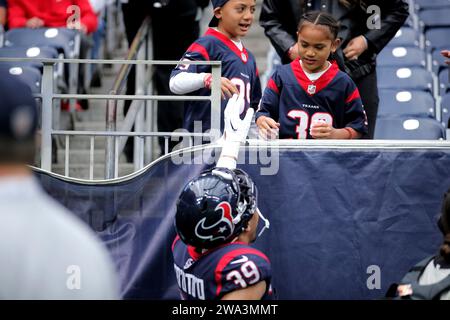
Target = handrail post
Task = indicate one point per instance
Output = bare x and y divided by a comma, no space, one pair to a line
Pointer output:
110,148
139,120
215,101
47,113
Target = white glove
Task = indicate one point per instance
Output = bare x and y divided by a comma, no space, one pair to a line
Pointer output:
236,131
235,128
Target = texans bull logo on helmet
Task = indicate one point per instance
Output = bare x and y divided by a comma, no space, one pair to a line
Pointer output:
225,226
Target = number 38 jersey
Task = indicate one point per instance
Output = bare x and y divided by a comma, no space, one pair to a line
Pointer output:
211,275
238,66
295,101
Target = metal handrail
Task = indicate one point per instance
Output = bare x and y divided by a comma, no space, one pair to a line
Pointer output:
118,86
47,97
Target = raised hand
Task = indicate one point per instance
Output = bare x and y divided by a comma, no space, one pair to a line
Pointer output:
235,128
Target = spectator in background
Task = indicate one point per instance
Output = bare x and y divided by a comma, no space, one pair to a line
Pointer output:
45,251
72,14
175,25
363,35
3,13
99,8
50,13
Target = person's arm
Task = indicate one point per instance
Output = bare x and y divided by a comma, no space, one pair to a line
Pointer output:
254,292
322,130
186,82
393,15
17,17
271,20
187,78
235,132
267,115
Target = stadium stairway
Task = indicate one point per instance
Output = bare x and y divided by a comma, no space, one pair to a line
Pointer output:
94,117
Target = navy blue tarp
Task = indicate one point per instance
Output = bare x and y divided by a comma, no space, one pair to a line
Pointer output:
335,216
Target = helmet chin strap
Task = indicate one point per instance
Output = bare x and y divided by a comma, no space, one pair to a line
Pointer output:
266,222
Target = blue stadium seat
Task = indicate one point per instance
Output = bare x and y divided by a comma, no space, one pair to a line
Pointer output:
444,81
405,37
28,52
438,38
434,18
62,39
437,61
401,57
434,4
404,79
445,108
31,76
406,103
408,128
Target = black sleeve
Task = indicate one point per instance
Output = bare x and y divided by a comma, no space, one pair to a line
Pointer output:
273,20
393,15
202,3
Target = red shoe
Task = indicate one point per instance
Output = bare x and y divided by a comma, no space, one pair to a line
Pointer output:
65,106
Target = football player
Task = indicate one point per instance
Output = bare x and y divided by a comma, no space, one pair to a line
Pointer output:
216,220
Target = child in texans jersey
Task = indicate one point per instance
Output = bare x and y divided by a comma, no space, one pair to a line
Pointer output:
221,42
311,98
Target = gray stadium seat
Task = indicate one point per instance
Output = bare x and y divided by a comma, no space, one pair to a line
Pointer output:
404,79
408,128
64,40
437,38
405,37
28,52
445,107
31,76
434,18
419,104
444,77
434,4
401,57
437,61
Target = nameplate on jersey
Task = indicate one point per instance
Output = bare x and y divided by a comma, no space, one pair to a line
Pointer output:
190,284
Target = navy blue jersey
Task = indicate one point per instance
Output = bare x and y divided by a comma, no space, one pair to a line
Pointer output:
237,66
211,275
294,101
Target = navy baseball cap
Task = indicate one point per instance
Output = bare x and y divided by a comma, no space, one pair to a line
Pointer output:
18,111
216,4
